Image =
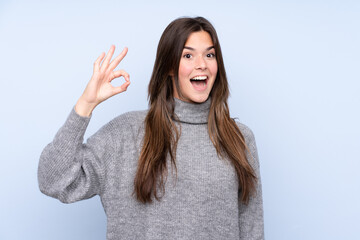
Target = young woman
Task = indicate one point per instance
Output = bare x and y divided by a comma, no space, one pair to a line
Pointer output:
183,169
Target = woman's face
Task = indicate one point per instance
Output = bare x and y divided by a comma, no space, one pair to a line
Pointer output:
197,69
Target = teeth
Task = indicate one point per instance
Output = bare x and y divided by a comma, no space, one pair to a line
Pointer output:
199,78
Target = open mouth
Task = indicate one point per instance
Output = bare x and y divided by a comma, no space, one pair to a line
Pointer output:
199,82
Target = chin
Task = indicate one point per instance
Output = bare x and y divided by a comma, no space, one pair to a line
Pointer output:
199,99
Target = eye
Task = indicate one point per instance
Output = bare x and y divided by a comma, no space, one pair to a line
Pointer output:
210,55
187,55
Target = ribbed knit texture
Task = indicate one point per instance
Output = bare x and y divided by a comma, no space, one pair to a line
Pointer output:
203,203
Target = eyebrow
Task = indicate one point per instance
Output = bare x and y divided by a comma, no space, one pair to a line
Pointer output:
193,49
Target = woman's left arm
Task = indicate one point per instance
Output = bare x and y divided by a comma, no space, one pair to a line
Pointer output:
251,216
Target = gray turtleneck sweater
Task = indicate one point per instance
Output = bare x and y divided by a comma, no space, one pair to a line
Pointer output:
203,204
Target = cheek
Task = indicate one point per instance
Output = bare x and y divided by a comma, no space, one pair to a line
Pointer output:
184,70
213,68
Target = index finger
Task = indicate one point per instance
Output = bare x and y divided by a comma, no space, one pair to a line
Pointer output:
118,59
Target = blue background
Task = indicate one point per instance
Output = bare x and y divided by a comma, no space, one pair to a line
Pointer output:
293,69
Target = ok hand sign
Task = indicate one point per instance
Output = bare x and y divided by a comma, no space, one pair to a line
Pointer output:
99,87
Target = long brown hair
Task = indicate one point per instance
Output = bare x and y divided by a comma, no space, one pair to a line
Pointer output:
161,134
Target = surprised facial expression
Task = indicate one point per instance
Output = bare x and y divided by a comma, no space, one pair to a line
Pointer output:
197,69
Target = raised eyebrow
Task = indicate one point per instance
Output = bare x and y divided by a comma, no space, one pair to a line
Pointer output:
193,49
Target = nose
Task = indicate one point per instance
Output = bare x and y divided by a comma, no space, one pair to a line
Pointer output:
200,63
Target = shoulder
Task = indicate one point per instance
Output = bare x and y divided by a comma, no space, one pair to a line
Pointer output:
246,132
249,137
133,119
124,125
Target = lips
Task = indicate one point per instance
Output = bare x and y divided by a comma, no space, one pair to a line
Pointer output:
199,82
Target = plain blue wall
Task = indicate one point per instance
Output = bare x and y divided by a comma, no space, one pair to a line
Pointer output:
293,68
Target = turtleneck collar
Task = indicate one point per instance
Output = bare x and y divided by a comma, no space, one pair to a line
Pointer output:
194,113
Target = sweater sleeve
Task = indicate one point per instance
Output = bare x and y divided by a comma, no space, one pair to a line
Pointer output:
251,218
70,170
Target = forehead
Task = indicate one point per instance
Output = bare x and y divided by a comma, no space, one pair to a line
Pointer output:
199,40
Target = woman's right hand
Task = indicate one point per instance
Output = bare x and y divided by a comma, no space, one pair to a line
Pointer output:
99,87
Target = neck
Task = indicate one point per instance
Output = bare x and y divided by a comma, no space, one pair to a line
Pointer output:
193,113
